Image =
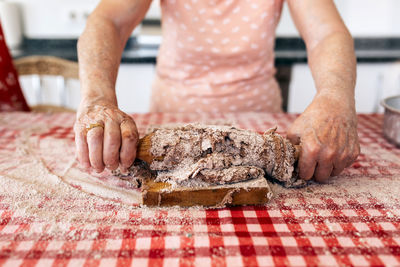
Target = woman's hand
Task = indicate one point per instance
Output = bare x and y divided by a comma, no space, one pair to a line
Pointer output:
327,131
105,136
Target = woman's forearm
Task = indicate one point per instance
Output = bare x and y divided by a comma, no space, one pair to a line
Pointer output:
333,65
329,44
99,52
327,129
101,45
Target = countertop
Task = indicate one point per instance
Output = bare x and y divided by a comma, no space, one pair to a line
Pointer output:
54,213
145,48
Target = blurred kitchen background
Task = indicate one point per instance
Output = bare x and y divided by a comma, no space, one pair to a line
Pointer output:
51,27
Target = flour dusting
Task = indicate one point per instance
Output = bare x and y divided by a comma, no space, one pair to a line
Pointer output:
41,183
44,195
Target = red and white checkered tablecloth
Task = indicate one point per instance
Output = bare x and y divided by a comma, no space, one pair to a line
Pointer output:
354,220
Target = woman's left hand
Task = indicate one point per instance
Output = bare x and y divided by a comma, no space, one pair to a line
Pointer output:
327,132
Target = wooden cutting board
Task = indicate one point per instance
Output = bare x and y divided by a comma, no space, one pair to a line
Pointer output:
251,192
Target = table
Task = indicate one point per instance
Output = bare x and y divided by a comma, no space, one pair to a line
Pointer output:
46,219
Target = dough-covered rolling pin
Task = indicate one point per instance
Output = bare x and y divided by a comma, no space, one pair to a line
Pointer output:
213,166
165,148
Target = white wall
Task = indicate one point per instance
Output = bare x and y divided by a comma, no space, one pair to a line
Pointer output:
43,18
55,18
364,18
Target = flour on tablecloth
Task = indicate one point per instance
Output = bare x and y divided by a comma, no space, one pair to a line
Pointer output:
41,184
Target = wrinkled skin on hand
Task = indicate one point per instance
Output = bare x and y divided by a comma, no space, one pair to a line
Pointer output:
327,131
108,147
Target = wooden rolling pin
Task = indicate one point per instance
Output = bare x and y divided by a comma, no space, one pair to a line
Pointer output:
143,150
144,147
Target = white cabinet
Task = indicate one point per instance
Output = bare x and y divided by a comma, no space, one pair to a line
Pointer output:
50,90
133,89
374,82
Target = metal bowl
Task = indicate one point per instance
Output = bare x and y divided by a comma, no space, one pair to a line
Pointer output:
391,119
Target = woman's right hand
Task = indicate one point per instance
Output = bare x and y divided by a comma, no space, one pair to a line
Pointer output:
105,137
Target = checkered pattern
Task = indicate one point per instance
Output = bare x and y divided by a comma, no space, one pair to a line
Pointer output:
326,227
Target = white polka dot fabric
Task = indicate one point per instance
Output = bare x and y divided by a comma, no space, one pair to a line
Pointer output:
217,56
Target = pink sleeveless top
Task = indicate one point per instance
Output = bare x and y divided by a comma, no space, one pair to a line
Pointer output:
217,56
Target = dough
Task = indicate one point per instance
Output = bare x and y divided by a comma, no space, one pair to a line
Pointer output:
209,154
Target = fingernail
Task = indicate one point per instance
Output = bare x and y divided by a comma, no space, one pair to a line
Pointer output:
304,177
112,167
123,169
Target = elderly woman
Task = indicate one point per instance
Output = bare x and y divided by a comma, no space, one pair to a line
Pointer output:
217,56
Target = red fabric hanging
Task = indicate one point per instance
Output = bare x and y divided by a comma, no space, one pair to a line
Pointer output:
11,96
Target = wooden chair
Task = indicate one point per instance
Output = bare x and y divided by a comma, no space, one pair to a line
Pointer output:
48,65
